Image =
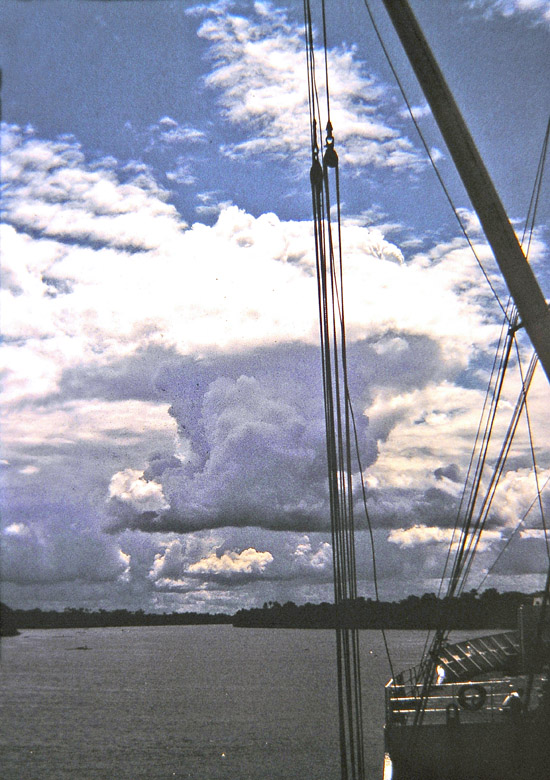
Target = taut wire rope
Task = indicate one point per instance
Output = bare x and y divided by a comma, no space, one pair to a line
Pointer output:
471,534
337,419
429,153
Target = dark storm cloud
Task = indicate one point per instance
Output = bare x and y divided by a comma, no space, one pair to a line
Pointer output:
157,373
50,553
452,472
405,507
241,556
251,428
129,377
525,554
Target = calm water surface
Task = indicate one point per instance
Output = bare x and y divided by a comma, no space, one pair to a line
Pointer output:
196,702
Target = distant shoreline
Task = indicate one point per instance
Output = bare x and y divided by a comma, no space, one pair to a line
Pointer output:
470,611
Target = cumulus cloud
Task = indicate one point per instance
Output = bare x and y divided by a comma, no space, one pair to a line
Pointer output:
72,304
177,375
515,500
426,535
251,429
87,297
170,565
142,328
216,561
232,564
259,67
175,568
130,487
416,428
255,458
51,192
309,559
252,451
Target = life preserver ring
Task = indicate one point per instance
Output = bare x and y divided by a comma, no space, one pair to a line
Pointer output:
472,697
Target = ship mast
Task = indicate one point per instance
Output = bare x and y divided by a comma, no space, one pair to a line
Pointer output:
520,279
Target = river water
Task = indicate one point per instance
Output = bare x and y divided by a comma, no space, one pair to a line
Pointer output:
194,702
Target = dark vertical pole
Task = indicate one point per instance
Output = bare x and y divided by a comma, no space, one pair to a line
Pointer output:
521,282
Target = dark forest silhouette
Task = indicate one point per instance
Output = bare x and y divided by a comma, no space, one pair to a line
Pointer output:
471,610
488,610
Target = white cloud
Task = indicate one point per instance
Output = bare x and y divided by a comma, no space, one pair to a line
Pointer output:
219,322
169,131
46,429
177,567
418,112
417,429
515,499
51,191
260,75
131,488
536,10
182,173
231,563
170,564
426,535
190,289
319,560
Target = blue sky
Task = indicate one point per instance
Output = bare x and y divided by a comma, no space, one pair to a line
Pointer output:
163,432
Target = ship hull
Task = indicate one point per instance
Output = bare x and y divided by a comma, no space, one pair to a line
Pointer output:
469,751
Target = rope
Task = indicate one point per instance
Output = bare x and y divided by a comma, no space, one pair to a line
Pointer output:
471,530
328,260
526,380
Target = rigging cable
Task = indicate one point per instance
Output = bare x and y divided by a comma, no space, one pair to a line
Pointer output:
429,153
521,405
468,546
538,644
479,440
470,531
526,381
512,535
530,226
534,363
533,204
328,254
498,469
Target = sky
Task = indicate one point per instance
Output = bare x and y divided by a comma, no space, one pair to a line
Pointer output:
163,431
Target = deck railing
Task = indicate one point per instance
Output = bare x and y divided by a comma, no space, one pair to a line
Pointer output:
485,700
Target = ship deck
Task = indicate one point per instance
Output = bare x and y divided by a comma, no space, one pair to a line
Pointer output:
479,701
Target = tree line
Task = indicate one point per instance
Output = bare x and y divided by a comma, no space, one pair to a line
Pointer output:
471,610
488,610
79,617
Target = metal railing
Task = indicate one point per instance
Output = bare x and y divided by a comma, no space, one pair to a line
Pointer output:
485,700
